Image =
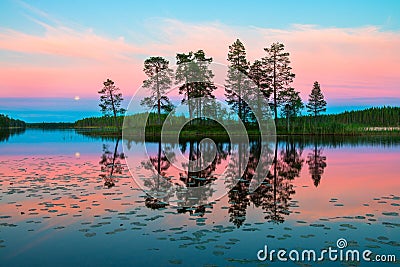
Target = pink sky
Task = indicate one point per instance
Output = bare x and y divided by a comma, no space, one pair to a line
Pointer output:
66,62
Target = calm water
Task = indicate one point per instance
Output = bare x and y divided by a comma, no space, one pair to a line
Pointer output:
59,206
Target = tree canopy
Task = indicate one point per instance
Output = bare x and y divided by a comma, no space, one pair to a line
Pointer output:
159,80
111,99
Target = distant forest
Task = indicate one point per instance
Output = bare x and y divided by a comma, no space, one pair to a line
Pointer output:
372,117
7,122
346,122
50,125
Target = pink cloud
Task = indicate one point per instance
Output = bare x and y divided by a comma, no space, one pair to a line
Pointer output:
347,62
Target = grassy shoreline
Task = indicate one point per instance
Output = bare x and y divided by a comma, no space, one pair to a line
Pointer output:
371,121
201,133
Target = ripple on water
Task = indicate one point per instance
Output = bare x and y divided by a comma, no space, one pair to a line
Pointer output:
390,213
317,225
218,252
175,261
90,234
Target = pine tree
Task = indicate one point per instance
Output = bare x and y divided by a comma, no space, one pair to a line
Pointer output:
316,102
291,103
110,100
236,84
159,81
193,70
276,64
260,79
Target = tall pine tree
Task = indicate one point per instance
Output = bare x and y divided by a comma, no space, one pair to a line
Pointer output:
276,64
193,71
159,81
316,102
260,79
236,83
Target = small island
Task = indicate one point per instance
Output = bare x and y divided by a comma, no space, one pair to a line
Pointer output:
271,75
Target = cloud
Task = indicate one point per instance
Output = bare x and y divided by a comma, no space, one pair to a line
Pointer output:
364,60
73,60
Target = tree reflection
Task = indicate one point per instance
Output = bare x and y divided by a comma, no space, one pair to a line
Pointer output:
316,164
199,172
6,133
111,164
290,162
273,195
158,182
239,200
275,192
199,210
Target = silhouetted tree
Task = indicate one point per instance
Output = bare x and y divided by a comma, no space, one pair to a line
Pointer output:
237,83
110,100
7,122
159,81
316,102
291,104
276,64
193,70
261,80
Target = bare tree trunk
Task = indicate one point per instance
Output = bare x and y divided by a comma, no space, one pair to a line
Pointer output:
158,99
114,158
159,165
114,110
275,100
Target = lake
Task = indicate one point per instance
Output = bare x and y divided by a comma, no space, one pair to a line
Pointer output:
68,199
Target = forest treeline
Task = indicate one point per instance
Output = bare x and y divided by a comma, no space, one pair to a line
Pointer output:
371,117
98,122
348,122
51,125
7,122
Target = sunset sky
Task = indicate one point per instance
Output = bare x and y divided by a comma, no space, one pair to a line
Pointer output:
55,54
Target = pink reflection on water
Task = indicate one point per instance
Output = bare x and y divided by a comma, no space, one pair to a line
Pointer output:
62,190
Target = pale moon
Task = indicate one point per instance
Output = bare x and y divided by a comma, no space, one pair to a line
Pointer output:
77,98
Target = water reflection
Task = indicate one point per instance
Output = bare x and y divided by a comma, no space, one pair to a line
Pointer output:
6,133
50,197
275,192
157,181
111,164
273,196
316,163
